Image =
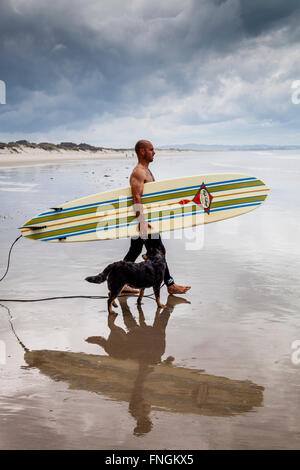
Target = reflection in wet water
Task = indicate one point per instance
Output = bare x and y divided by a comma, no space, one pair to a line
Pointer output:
134,372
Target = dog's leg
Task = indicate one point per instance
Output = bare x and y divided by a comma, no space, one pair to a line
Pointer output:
110,302
114,292
139,300
156,290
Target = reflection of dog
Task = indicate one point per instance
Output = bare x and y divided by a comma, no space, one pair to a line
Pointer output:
149,273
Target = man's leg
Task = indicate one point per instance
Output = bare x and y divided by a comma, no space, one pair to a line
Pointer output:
168,279
136,246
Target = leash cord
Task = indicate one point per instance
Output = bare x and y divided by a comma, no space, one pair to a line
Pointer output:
53,298
70,297
9,254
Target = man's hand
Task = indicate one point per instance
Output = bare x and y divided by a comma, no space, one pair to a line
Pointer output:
143,229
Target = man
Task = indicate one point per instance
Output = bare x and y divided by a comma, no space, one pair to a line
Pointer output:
139,176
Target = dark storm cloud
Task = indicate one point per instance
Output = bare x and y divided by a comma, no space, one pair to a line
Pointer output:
66,62
259,16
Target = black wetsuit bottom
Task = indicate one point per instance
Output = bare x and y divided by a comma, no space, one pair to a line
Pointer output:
136,246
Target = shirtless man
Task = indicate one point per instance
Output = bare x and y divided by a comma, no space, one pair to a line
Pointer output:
139,176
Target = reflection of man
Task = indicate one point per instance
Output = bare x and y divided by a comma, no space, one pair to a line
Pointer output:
139,176
142,343
138,406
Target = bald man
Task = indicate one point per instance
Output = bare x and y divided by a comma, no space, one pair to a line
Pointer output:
140,175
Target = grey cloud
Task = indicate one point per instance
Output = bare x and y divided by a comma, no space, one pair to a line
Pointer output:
66,63
260,16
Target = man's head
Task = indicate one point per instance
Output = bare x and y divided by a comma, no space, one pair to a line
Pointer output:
144,150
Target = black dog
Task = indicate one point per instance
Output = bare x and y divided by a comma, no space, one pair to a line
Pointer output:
149,273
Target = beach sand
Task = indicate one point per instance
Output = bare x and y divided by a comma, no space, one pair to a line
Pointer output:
35,156
216,372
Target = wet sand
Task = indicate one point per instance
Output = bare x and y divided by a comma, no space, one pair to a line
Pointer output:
213,370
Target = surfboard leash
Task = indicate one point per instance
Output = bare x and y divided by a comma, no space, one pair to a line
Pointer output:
71,297
9,254
53,298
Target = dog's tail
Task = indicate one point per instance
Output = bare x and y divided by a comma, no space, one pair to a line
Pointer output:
101,277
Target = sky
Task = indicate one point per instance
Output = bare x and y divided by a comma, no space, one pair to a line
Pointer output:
110,72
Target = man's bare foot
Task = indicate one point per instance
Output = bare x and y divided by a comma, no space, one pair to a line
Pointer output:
176,289
129,290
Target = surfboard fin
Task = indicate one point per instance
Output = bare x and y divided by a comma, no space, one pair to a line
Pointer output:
34,227
56,208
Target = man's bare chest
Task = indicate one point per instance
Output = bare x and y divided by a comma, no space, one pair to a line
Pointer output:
149,178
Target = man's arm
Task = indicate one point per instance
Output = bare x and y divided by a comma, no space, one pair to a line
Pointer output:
137,187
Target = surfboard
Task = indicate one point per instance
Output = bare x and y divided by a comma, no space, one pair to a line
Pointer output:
170,204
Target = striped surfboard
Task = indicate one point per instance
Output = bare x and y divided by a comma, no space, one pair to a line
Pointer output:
168,205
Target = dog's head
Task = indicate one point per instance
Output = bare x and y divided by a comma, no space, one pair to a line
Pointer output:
152,252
